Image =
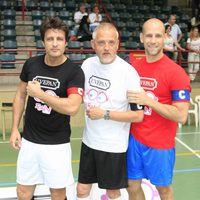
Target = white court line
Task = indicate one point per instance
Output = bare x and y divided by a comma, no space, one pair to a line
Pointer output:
189,133
187,147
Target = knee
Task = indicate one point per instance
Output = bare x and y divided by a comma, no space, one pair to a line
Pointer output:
134,187
58,194
164,191
83,190
113,194
24,194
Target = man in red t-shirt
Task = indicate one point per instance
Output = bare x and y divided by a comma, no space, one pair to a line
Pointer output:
165,95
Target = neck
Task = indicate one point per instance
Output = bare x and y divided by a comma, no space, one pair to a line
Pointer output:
54,61
151,59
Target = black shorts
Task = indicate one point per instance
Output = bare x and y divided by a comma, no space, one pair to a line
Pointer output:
105,168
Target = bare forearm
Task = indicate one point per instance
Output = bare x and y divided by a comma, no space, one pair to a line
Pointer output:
129,116
67,106
171,112
18,109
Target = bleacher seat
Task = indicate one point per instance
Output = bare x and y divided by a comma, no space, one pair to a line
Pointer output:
76,56
39,44
37,14
58,6
37,24
70,6
9,23
87,45
31,5
131,45
10,44
74,45
9,14
64,15
5,57
37,34
44,5
9,34
50,13
5,5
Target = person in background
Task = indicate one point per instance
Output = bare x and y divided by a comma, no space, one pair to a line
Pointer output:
54,86
107,116
165,96
176,32
84,33
170,43
193,44
95,18
78,15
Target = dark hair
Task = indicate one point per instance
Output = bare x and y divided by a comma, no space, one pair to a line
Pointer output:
167,26
53,23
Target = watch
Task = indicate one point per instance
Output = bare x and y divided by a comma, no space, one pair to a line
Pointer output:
107,115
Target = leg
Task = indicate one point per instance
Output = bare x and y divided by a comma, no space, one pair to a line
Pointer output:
58,194
83,190
165,192
113,194
135,190
25,192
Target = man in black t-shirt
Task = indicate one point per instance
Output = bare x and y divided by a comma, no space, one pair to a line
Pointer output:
54,86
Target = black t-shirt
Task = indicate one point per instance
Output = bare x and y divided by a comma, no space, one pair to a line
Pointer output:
43,125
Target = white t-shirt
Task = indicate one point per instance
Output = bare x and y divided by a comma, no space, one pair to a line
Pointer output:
92,17
78,16
106,86
194,44
175,31
169,43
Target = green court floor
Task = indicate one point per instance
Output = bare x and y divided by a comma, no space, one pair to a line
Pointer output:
186,182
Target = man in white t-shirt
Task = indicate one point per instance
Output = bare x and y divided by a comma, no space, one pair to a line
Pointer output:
176,32
107,117
78,15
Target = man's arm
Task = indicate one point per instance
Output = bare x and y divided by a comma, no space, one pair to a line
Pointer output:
18,109
177,111
68,106
96,113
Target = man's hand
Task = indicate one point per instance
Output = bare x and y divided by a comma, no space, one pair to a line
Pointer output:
15,139
95,113
33,89
138,97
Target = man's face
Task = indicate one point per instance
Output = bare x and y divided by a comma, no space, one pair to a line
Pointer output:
153,39
54,42
106,45
82,9
172,20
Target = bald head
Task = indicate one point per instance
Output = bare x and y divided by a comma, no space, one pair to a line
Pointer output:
153,23
104,27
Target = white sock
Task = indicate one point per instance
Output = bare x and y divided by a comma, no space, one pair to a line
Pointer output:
85,198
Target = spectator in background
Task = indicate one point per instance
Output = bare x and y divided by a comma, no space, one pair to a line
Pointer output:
170,43
193,44
84,33
95,18
79,15
195,5
176,32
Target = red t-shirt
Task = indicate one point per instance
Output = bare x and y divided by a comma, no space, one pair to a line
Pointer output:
166,82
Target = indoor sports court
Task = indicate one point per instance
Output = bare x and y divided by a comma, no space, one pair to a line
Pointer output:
186,174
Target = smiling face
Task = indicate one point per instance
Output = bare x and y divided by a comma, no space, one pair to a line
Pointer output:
54,43
153,39
105,43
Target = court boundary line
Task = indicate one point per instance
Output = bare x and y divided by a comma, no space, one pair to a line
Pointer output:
187,147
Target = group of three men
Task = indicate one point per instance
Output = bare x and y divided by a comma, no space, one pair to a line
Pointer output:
149,95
